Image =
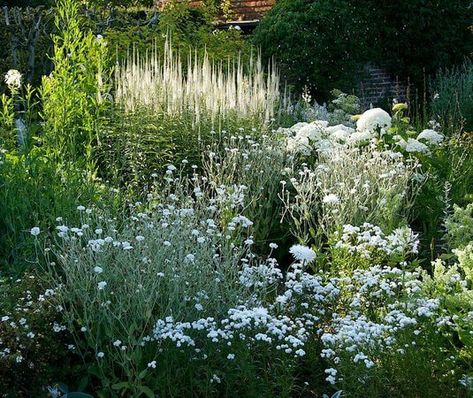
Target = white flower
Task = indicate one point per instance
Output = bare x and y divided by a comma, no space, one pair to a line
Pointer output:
413,145
98,270
80,208
298,145
231,356
100,354
302,253
331,199
431,136
13,79
117,343
373,119
312,131
360,137
35,231
101,285
152,364
273,246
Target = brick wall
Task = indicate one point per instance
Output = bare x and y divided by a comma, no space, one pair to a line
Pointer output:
378,85
240,10
249,10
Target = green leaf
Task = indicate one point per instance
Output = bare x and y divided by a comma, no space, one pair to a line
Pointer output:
121,385
147,391
83,383
142,374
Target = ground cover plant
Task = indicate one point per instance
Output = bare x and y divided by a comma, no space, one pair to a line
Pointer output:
174,228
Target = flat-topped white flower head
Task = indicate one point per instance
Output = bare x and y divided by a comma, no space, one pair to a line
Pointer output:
302,253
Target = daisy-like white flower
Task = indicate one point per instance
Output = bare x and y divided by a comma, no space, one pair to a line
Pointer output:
35,231
101,285
302,253
98,270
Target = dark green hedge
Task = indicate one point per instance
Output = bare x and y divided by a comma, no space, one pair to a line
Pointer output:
323,42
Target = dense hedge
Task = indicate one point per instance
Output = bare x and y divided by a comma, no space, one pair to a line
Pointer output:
321,42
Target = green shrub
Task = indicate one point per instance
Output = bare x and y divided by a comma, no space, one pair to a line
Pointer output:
33,347
417,37
321,43
316,43
33,192
72,95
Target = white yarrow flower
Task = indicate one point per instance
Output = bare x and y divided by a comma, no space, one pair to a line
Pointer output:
98,270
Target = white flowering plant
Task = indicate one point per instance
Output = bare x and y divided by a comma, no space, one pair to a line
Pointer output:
185,267
34,349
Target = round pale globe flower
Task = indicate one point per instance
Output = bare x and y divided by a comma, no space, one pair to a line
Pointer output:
302,253
373,119
35,231
13,79
430,136
413,145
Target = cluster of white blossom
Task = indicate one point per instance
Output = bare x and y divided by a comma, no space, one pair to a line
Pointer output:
13,79
318,136
369,239
26,324
382,304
